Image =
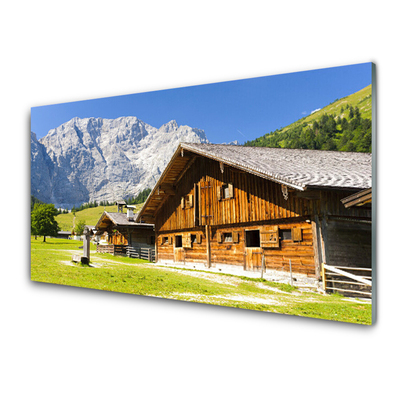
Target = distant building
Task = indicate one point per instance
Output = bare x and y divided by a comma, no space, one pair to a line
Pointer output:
120,228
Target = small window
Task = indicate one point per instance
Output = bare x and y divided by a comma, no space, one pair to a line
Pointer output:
178,241
228,237
165,240
253,238
187,201
225,191
193,238
286,234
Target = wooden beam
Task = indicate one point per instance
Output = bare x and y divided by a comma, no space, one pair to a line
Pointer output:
208,247
186,168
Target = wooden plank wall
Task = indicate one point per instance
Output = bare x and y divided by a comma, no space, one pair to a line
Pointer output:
301,254
348,243
254,199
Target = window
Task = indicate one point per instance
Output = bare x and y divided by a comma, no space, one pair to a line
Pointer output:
286,234
187,201
165,240
253,238
193,238
178,241
225,191
228,237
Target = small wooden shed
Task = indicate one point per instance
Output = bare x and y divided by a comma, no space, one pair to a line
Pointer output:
119,229
235,206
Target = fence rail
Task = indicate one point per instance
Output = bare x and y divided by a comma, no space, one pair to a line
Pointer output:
130,251
350,281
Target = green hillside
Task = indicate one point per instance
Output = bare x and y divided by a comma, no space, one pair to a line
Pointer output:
343,125
89,215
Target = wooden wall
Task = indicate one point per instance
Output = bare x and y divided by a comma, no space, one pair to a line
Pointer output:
254,199
301,253
131,237
348,243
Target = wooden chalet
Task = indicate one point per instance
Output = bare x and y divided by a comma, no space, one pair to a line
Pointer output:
121,230
233,206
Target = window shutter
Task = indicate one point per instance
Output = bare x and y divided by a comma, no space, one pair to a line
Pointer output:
199,238
297,235
182,203
235,237
269,237
230,188
220,237
187,243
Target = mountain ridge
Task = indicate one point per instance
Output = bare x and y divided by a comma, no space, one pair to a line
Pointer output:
95,159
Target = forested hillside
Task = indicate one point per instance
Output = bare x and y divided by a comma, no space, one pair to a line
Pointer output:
344,125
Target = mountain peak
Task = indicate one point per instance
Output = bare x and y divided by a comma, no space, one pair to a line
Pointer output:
169,126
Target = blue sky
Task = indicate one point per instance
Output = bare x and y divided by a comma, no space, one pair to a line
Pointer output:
236,110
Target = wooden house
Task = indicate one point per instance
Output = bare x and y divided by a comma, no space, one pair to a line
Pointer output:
121,229
235,207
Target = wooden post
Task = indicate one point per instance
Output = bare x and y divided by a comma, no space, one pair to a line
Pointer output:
262,265
316,246
86,246
156,247
323,277
208,246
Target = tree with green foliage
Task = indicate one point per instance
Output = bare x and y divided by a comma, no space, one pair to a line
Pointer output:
34,201
79,227
140,198
43,221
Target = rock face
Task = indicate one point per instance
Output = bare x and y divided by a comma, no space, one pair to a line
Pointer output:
103,159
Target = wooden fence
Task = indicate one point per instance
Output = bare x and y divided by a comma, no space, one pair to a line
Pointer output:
141,252
349,281
114,249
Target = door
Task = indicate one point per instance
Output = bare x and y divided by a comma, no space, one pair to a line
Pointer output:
253,258
179,254
253,251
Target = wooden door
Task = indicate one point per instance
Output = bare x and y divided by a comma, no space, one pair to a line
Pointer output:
179,254
253,258
205,203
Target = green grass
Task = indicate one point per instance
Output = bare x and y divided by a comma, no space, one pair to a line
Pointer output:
90,215
51,262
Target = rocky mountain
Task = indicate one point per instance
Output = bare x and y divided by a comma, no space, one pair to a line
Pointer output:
103,159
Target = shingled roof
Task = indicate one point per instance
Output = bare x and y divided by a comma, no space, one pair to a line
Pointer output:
118,219
297,168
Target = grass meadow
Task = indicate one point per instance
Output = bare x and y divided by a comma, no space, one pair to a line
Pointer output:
51,263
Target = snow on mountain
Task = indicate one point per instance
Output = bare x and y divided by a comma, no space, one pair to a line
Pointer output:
103,159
